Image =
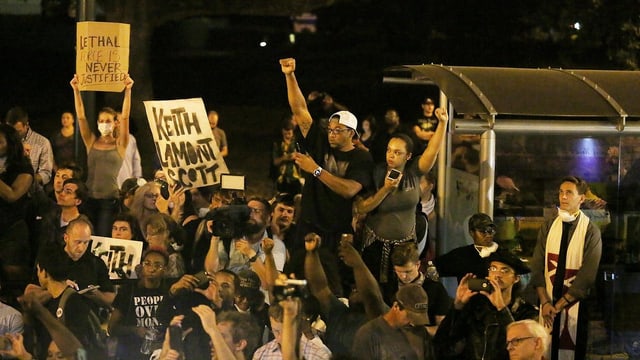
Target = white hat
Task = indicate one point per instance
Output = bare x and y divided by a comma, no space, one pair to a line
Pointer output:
347,119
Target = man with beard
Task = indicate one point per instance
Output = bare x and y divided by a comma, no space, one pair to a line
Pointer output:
282,225
247,249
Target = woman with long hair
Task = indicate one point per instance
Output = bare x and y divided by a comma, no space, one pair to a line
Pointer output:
104,156
144,203
16,178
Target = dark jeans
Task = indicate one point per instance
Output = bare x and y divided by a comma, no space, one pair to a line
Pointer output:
101,212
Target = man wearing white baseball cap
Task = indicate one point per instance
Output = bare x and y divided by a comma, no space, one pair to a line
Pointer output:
335,170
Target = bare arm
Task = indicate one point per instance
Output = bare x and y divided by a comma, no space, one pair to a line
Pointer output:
102,298
271,271
18,188
364,206
428,158
209,324
123,120
314,272
297,101
60,334
366,284
290,336
346,188
224,151
88,137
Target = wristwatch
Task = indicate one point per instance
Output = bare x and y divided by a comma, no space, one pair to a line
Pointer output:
317,171
253,258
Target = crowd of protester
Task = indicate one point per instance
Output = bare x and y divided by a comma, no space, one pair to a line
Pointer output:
330,267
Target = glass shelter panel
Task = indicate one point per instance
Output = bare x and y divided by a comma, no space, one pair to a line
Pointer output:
528,171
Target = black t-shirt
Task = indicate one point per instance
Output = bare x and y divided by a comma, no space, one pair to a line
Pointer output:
139,306
342,325
460,261
439,300
76,313
90,270
12,212
321,206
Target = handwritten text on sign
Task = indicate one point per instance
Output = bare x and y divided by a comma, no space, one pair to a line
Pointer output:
184,143
102,60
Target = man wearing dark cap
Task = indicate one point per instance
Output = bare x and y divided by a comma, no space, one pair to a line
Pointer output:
385,338
335,170
469,259
425,126
475,327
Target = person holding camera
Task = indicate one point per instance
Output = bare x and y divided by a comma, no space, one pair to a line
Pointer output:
475,327
392,206
245,250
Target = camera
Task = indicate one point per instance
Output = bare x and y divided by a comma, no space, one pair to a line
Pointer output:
480,285
293,288
229,221
203,280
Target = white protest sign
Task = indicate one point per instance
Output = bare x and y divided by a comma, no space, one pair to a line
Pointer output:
184,142
120,256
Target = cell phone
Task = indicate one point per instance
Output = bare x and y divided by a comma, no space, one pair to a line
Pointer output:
175,338
299,148
477,284
203,280
394,174
88,288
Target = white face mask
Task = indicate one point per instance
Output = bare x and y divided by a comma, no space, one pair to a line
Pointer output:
566,216
105,128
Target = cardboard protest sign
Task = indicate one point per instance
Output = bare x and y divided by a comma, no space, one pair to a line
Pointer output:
120,256
102,55
184,142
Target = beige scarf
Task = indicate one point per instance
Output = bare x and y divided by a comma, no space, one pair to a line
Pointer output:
569,315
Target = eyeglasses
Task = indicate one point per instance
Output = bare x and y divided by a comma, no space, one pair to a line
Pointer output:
337,131
489,230
151,196
517,341
503,271
256,210
149,264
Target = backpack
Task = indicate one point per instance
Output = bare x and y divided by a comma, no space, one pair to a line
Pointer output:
97,337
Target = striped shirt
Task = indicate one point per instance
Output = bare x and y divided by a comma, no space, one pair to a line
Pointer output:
40,154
